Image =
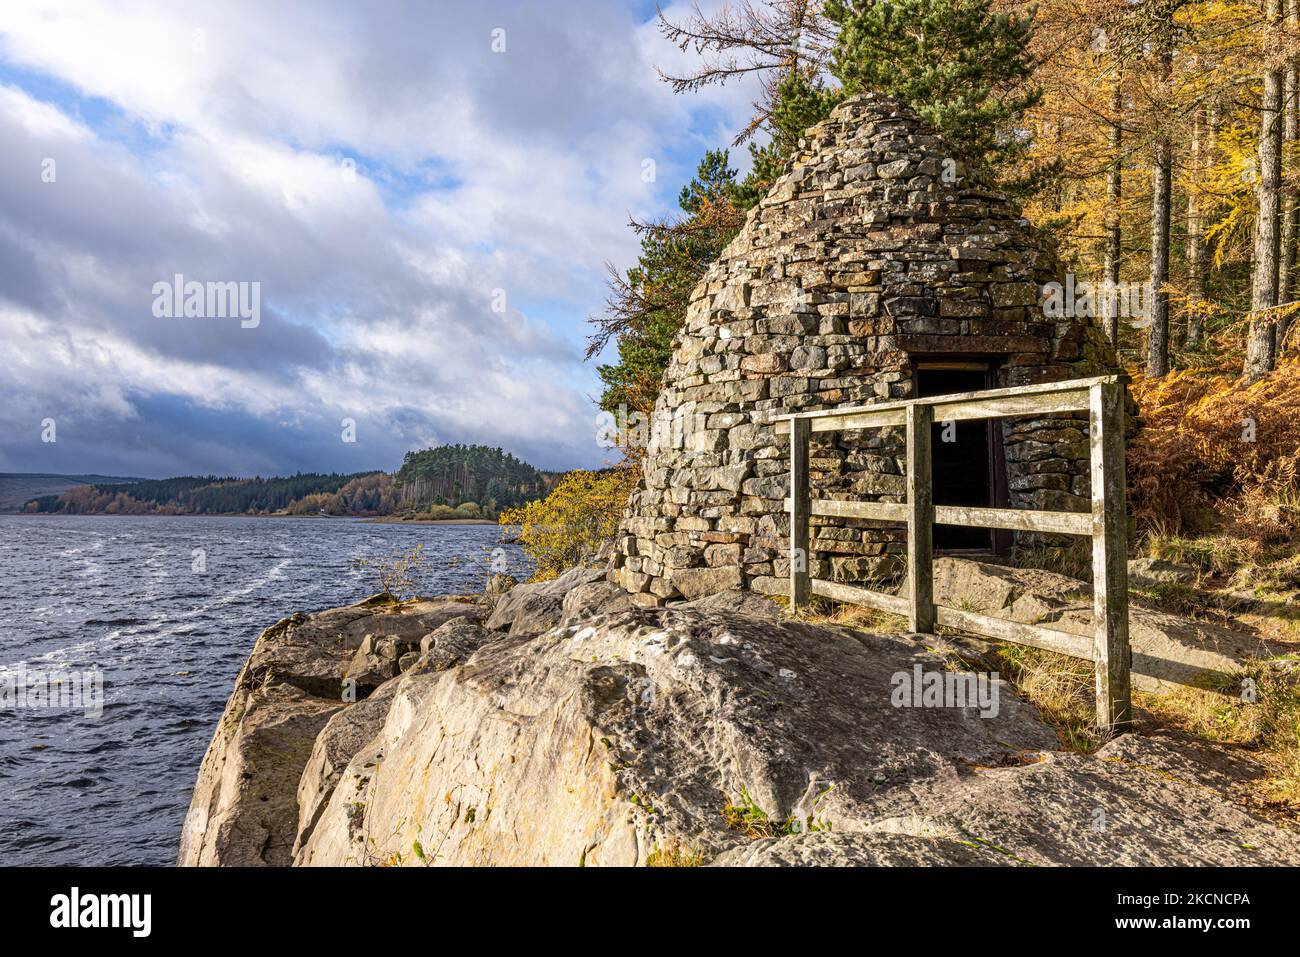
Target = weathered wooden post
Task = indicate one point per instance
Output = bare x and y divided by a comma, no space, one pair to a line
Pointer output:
1111,652
920,520
800,557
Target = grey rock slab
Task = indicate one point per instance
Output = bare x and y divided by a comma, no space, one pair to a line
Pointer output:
453,643
346,733
1140,801
533,607
624,735
1168,650
543,743
737,602
244,811
1148,572
594,598
244,808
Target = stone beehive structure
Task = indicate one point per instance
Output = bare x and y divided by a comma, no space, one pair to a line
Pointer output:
874,250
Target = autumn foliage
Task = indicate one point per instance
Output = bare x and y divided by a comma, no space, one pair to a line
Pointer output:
374,494
1215,452
573,522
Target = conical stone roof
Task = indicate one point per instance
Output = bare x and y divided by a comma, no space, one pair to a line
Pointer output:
874,248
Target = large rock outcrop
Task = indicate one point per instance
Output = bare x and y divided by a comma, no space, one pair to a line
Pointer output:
714,732
244,810
599,742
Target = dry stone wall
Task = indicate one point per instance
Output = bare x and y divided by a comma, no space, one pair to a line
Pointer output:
874,248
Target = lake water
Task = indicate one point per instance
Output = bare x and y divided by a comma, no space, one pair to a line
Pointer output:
165,610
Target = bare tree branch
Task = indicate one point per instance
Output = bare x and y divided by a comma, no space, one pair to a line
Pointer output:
771,39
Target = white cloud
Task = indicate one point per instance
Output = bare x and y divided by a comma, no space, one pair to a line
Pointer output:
474,171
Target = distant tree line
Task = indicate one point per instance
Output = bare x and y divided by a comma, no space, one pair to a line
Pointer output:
454,474
372,494
192,495
452,481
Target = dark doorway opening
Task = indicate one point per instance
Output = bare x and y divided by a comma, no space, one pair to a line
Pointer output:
968,463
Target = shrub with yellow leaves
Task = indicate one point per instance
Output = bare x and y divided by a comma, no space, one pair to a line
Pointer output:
570,525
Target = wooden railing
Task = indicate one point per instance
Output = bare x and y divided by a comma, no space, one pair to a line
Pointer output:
1103,399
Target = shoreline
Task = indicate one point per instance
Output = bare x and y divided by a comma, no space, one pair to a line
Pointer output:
369,520
398,520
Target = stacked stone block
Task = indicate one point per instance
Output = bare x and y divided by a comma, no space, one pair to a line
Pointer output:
874,247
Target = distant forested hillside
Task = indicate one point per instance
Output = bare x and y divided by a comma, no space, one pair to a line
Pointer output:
374,493
453,474
452,481
18,488
191,495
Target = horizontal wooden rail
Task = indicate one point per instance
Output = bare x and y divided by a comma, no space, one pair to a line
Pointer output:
965,398
1102,398
866,419
836,508
1036,636
1017,519
856,595
1072,400
878,417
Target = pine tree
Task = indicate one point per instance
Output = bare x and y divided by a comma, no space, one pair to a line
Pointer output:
802,99
1114,192
961,66
648,305
1197,260
1286,286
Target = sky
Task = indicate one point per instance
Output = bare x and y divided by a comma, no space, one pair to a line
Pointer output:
418,197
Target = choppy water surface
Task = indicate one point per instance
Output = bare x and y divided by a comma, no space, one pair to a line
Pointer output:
122,594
